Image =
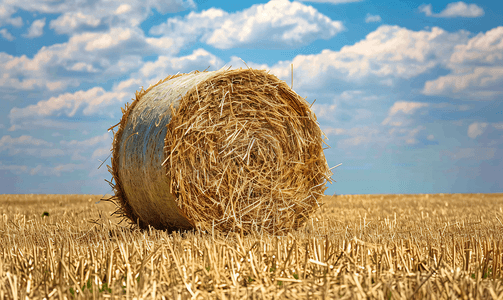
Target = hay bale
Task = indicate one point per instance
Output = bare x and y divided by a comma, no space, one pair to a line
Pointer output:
229,149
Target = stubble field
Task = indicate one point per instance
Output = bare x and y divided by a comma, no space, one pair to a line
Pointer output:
442,246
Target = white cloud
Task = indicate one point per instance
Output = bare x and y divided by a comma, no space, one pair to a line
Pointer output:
76,148
388,52
477,69
324,111
30,123
44,170
482,83
25,140
403,108
352,96
426,9
104,54
5,16
454,9
36,29
16,169
28,145
475,129
403,122
109,40
90,102
405,114
87,150
237,62
73,21
169,6
101,153
331,1
406,107
461,9
361,136
66,168
372,18
276,24
353,106
151,72
334,131
89,143
103,12
122,9
6,34
483,49
405,136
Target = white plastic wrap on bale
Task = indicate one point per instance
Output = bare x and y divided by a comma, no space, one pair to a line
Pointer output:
141,148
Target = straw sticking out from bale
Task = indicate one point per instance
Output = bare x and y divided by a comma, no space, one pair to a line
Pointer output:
239,151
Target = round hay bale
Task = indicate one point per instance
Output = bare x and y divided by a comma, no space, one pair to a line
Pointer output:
229,149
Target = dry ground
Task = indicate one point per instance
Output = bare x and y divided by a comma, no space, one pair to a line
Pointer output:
379,247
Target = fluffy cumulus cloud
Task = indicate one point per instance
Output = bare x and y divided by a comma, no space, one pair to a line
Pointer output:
90,56
388,52
6,12
89,102
74,21
332,1
87,56
93,101
36,29
77,16
167,65
276,24
477,69
152,72
455,9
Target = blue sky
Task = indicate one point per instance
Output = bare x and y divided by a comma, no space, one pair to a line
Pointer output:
409,93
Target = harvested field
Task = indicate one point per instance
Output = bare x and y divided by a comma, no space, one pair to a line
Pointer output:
443,246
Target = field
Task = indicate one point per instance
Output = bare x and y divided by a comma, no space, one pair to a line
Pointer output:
443,246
